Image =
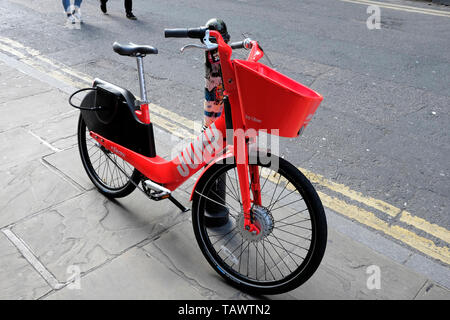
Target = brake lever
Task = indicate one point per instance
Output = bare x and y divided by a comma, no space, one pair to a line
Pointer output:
207,45
192,46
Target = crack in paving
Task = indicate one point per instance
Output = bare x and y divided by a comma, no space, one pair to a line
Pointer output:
113,256
420,289
204,291
52,207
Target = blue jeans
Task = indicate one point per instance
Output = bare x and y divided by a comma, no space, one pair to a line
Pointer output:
66,4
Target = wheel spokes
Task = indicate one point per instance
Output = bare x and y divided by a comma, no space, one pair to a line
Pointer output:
286,234
111,170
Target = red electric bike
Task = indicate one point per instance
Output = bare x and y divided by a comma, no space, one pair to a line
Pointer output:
275,233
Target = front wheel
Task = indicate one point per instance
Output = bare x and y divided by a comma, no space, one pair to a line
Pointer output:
293,236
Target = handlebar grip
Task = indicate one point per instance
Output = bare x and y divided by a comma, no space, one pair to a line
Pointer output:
196,33
176,33
237,45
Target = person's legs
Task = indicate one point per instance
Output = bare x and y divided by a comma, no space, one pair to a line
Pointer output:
103,5
66,5
129,9
77,11
128,6
68,11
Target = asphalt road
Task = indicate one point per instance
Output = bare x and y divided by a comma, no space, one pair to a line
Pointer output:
383,127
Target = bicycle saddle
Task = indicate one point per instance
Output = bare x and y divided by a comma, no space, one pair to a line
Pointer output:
133,50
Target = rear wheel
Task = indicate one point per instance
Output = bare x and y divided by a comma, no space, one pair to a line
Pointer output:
291,218
112,176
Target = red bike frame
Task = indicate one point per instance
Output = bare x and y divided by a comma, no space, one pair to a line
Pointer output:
208,148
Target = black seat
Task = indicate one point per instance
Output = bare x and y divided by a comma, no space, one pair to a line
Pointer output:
133,50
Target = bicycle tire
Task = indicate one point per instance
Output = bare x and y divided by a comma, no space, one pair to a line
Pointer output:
129,177
245,283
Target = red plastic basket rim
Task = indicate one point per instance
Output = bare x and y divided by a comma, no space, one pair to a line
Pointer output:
310,93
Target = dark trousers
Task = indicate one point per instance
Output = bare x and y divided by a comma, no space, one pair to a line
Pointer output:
128,5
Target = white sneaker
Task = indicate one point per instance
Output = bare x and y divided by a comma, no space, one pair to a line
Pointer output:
70,19
77,14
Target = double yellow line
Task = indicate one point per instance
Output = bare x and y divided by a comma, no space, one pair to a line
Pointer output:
180,126
392,6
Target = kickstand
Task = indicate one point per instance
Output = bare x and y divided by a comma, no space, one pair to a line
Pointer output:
179,205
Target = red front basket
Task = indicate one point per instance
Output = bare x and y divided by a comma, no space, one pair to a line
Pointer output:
270,100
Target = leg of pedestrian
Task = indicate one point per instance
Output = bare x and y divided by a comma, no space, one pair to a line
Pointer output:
77,12
103,6
129,9
68,10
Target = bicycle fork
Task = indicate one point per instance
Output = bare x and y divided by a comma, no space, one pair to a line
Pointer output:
240,144
244,169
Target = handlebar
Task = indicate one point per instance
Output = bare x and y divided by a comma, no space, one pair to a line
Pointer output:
204,34
244,44
196,33
237,45
199,33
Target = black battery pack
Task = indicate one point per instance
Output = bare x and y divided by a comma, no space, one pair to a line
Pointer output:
110,112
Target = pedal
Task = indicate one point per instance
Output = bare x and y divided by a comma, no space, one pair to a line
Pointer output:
155,191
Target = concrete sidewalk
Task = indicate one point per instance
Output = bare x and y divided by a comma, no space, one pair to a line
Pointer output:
55,224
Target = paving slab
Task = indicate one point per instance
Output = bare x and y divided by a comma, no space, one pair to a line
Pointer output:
133,275
432,291
37,108
179,252
29,188
437,272
26,147
60,130
14,270
89,230
63,161
15,85
342,274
